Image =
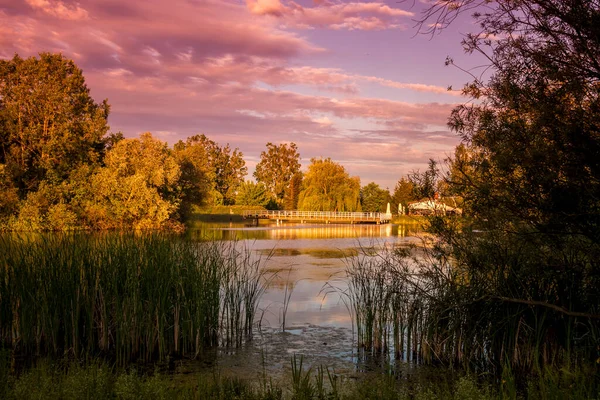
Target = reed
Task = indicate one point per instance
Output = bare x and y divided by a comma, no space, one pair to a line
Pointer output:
429,305
388,312
128,297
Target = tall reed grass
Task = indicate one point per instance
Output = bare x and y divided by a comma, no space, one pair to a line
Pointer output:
387,309
423,304
128,297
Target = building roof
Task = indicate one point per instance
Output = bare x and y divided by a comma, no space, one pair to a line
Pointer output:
433,205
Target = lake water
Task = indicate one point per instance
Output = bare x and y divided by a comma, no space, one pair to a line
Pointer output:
307,264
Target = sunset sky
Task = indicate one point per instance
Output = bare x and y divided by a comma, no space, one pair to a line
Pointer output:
353,81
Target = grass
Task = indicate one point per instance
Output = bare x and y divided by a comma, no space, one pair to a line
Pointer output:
97,380
409,219
387,312
125,297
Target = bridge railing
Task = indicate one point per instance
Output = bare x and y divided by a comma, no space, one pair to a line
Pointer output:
320,215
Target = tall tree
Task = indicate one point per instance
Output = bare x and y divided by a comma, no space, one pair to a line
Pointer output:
137,188
425,183
531,182
252,194
226,169
276,168
49,123
404,193
328,187
374,198
197,177
292,192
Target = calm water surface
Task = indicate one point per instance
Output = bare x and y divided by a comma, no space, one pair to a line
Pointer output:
306,262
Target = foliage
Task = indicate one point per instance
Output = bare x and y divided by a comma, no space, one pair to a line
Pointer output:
403,194
226,169
425,184
10,196
252,194
374,198
276,168
518,285
49,123
292,192
197,176
136,188
328,187
60,170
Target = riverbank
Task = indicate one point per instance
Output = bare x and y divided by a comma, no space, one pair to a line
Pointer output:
234,214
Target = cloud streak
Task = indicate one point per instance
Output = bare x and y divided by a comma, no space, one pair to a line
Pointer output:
241,73
330,15
58,9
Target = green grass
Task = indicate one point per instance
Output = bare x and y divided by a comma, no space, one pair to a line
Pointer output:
125,297
409,219
97,380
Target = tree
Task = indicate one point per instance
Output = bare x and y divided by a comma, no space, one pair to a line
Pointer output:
225,169
374,198
230,170
276,168
252,194
328,187
197,176
425,183
138,187
49,123
9,196
292,192
404,193
530,177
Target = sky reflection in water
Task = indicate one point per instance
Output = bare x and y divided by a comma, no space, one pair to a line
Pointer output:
308,259
305,257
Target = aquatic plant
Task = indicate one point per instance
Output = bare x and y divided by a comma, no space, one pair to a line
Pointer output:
125,296
388,313
427,305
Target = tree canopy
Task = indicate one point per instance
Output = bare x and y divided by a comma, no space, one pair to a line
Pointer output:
374,198
49,123
292,192
137,187
276,168
328,187
404,193
252,194
425,184
529,174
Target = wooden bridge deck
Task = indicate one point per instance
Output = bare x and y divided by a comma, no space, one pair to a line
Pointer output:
320,216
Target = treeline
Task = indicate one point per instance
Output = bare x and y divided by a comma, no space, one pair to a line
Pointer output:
61,168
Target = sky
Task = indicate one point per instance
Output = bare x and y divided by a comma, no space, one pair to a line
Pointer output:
351,80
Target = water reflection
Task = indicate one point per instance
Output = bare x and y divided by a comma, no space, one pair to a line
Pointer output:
294,231
307,262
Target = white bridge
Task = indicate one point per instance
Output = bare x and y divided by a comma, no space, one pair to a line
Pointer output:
320,216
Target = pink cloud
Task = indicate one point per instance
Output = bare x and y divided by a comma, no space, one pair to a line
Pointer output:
266,7
349,16
58,9
214,67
